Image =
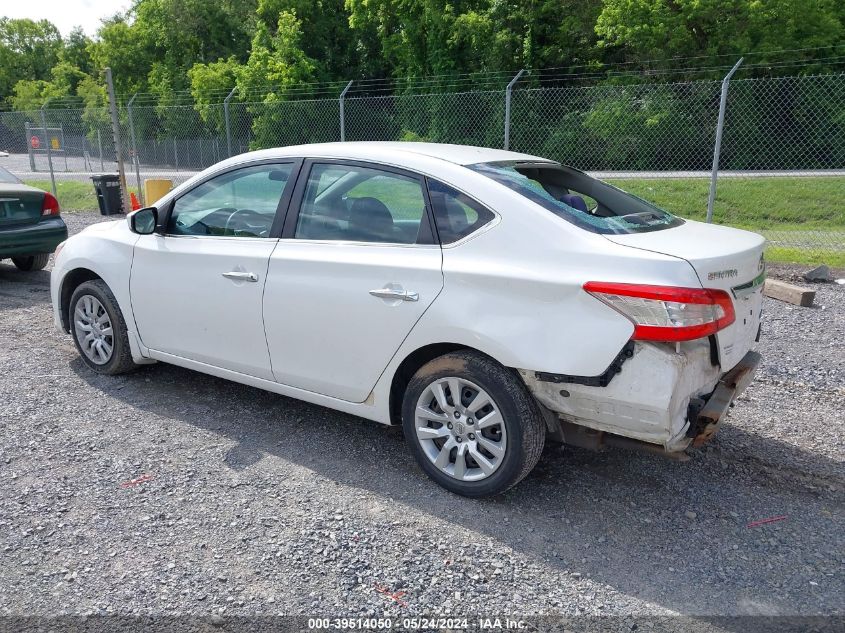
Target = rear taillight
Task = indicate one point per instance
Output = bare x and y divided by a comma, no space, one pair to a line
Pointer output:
666,313
50,206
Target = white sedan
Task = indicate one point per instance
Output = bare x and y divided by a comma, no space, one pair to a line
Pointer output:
485,300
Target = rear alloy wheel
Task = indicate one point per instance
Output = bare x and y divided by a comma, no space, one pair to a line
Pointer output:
471,424
31,262
99,330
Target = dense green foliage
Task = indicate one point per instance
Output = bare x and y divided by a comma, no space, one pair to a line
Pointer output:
614,75
167,46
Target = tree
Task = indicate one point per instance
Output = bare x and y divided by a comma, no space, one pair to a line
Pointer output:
326,37
276,64
209,85
714,31
28,51
76,51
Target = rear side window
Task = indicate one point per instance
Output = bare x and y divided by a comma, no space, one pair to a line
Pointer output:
578,198
362,204
456,214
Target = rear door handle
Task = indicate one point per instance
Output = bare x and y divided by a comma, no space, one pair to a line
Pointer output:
394,293
240,276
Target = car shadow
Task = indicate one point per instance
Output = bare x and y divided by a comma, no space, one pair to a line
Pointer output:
669,533
20,289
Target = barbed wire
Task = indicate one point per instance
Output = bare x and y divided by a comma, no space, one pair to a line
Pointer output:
479,81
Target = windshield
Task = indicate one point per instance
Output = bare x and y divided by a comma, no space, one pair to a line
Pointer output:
578,198
7,177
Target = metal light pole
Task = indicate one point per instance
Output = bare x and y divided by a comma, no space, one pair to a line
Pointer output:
508,92
717,148
342,100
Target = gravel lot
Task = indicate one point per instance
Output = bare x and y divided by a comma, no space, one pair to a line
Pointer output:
258,504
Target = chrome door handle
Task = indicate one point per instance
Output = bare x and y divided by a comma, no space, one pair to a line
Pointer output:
239,276
393,293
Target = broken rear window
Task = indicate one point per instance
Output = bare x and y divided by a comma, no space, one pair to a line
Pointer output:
578,198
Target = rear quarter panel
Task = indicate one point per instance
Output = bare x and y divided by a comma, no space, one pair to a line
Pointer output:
514,291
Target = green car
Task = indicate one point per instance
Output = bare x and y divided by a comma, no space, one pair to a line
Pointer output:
30,225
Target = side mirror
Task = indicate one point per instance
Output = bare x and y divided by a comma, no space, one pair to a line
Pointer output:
143,221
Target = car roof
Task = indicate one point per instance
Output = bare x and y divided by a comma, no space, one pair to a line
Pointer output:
393,151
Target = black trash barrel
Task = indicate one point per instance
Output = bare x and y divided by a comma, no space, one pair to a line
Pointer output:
107,187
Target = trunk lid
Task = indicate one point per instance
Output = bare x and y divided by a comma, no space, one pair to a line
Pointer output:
723,258
20,204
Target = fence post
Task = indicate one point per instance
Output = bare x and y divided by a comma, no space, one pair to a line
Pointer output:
49,150
29,146
717,147
135,149
100,149
118,145
342,101
226,120
508,92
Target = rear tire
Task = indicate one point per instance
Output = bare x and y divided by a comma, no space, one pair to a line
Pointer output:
32,262
98,329
482,442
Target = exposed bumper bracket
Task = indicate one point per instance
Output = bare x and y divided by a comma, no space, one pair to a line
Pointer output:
730,386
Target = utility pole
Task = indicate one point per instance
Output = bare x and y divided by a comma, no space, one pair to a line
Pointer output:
118,146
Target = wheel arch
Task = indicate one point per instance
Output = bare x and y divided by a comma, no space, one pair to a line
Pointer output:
411,364
70,282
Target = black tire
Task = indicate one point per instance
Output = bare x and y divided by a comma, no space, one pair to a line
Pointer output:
121,357
525,428
32,262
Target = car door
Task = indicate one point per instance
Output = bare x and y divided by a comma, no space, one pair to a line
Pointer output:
356,268
197,285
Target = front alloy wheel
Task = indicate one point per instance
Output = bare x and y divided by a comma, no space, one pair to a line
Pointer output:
93,329
98,328
471,424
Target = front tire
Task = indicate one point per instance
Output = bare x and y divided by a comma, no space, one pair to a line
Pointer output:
31,262
98,329
471,424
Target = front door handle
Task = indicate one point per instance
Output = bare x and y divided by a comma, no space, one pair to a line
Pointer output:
395,293
241,276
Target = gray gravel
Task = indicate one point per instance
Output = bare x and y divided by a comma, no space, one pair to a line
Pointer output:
258,504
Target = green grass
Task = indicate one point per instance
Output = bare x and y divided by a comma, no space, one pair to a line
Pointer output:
788,211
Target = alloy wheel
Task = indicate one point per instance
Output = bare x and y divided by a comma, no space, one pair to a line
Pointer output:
460,429
93,329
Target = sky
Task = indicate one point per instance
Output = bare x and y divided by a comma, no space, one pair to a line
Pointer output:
65,14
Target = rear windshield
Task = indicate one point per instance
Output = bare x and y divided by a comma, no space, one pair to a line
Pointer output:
578,198
7,177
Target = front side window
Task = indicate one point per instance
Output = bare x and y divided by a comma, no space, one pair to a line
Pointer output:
239,203
455,214
578,198
362,204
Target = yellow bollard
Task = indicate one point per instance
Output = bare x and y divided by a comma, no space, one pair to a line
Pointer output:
155,188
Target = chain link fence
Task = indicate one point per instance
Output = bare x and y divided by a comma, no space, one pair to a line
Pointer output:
781,168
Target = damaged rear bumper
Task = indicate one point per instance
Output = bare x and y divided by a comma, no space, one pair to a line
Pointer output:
705,423
664,395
